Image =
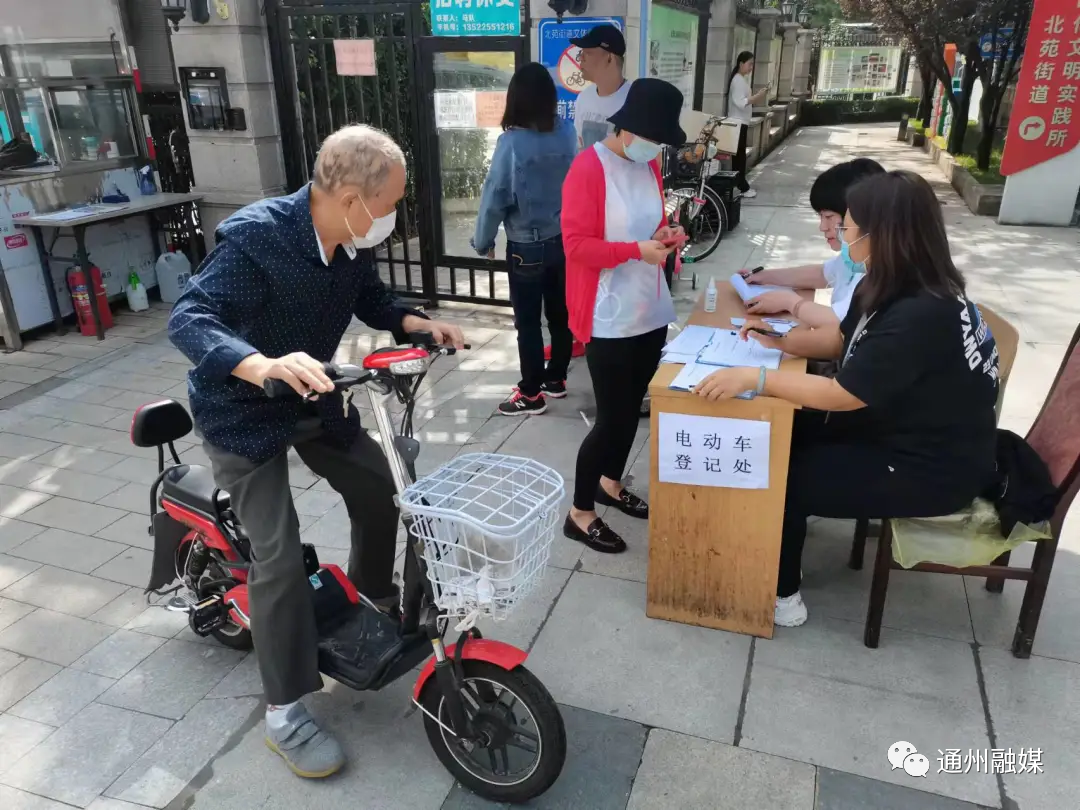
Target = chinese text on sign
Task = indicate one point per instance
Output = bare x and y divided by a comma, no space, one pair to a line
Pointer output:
713,451
1043,123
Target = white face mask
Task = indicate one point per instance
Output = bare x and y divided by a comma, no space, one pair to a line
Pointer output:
379,232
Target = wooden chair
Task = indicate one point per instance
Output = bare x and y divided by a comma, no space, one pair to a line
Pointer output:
1055,436
1007,339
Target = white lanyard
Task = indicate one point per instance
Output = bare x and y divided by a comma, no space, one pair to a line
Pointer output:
860,327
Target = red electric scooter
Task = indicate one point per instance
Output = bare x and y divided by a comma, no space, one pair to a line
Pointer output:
492,724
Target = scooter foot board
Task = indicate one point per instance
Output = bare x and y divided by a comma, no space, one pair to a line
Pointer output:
361,646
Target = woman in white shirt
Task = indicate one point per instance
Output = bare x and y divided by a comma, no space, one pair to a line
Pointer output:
828,198
741,101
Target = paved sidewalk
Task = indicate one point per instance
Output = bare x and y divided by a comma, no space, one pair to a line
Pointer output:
108,703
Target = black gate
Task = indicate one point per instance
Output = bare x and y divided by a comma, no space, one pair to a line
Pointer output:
419,260
172,159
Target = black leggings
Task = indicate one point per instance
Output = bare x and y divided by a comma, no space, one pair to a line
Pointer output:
621,369
738,160
830,478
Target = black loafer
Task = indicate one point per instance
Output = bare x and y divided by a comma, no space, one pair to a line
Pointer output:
628,503
599,537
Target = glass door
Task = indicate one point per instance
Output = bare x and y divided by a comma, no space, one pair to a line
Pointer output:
467,79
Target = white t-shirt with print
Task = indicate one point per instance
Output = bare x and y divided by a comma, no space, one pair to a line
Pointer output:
592,111
843,283
633,298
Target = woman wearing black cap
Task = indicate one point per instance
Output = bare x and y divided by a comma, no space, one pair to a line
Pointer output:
617,239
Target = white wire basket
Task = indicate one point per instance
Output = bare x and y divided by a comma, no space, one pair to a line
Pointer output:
487,523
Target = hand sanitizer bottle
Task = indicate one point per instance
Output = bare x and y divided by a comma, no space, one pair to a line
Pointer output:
710,296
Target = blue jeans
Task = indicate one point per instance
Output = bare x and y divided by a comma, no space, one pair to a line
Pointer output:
538,285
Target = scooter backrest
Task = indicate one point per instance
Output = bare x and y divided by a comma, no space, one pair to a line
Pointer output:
158,423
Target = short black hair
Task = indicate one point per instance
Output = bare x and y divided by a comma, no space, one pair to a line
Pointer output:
531,99
829,192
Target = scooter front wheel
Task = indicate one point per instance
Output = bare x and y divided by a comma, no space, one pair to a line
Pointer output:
517,745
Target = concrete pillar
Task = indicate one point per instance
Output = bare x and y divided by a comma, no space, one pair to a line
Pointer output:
233,169
788,54
719,54
767,21
804,45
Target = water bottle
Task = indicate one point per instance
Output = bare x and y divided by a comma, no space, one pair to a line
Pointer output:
710,296
173,271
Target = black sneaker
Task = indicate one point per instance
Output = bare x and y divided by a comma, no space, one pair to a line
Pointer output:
599,537
628,503
556,389
521,405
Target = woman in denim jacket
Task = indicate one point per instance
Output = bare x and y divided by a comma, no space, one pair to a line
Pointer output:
523,191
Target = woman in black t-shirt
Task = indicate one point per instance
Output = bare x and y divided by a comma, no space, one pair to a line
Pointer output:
907,426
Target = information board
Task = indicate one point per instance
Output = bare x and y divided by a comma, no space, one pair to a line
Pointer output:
673,40
1043,122
475,18
562,58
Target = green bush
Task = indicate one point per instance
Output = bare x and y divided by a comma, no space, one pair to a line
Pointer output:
991,176
830,112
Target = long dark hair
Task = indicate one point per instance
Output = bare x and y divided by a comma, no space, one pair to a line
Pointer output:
909,249
740,60
531,99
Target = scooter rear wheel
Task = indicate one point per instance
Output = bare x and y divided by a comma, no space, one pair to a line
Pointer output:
519,743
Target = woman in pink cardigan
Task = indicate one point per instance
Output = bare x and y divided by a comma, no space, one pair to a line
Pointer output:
617,239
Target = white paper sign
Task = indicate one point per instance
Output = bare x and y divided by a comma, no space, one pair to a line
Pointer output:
455,109
355,57
713,451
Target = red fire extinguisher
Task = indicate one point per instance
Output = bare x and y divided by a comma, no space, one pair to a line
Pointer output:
81,301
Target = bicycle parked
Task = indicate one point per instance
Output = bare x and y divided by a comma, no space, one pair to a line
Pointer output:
691,201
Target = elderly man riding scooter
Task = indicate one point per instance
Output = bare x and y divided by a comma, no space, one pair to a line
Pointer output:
273,301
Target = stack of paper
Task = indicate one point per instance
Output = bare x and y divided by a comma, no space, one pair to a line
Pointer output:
776,324
748,291
728,349
693,373
688,344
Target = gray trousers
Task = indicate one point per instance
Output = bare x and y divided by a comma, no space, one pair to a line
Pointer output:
282,613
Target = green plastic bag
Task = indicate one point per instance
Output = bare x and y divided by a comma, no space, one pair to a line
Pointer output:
969,537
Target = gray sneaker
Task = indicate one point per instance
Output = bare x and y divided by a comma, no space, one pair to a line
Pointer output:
307,749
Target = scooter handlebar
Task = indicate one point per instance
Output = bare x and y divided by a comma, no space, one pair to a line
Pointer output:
343,376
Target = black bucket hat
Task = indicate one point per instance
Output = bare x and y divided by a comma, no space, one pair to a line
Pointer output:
651,111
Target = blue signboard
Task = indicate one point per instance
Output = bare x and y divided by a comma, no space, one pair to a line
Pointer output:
561,58
476,18
986,44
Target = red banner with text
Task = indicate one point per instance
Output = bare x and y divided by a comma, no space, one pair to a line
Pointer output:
1043,123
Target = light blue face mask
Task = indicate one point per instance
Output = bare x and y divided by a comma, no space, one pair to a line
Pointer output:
641,151
854,268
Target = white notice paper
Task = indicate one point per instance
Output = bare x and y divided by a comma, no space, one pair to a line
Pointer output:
748,291
355,57
455,109
713,451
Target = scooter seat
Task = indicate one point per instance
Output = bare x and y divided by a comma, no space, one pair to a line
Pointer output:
192,485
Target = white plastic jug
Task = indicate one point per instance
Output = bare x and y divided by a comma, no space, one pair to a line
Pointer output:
136,293
173,272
